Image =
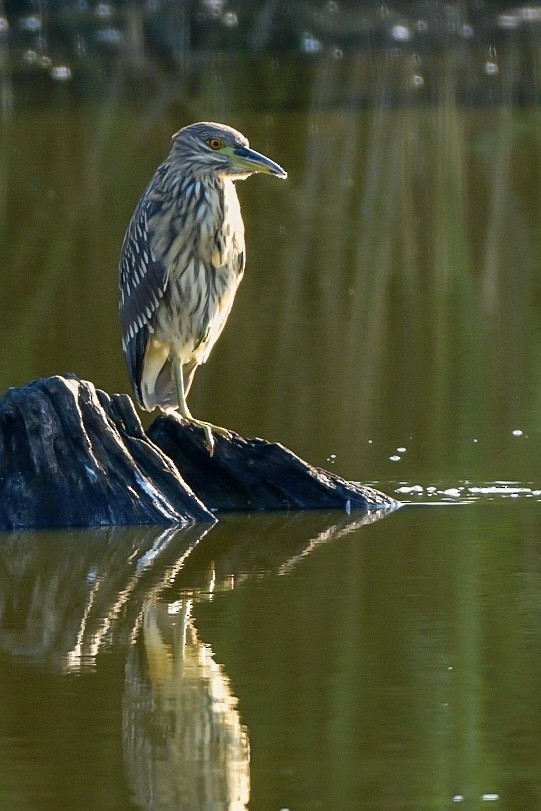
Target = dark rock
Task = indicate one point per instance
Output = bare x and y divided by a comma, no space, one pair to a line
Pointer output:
254,474
73,456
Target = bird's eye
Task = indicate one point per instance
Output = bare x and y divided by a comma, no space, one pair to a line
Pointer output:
215,143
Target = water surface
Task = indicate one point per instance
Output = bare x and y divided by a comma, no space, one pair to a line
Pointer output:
310,661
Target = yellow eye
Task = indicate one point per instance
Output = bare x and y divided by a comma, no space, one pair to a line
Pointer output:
215,143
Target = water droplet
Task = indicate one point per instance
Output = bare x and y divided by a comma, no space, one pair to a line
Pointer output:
230,19
401,33
491,68
531,14
103,10
31,23
310,44
417,80
80,46
62,73
338,53
508,21
109,36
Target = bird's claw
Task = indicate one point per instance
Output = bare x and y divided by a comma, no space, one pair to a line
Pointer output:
208,429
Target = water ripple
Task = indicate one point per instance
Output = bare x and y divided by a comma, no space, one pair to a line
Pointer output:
463,492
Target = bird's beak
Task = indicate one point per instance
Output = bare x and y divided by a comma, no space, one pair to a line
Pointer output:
249,160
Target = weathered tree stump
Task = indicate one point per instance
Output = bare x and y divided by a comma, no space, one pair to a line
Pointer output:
71,455
254,474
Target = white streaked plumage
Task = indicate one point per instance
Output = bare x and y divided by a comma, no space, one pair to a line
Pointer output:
182,261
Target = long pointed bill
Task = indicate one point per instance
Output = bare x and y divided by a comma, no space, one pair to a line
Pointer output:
251,161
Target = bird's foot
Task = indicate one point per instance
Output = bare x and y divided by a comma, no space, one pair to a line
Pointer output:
208,428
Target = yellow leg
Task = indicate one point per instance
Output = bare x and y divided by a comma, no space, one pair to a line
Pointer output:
184,411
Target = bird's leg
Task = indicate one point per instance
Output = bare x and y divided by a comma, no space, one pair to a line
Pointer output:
184,411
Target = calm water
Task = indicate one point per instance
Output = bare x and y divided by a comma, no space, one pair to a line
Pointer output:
290,661
388,328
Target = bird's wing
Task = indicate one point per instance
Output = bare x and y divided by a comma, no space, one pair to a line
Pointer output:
142,283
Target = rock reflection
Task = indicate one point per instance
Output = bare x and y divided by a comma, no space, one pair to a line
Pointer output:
64,596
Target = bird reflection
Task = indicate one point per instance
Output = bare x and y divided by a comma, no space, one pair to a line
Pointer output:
185,745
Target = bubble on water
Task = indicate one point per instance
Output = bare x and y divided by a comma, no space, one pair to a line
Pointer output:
491,68
417,80
410,488
458,798
490,798
395,458
518,432
452,491
401,450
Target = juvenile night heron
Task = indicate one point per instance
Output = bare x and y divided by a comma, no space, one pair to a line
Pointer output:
182,261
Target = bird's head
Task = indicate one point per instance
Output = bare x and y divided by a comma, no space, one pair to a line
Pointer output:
216,149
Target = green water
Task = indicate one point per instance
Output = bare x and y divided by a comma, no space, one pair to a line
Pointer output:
387,329
299,661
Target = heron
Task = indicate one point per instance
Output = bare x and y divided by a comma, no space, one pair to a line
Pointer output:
182,260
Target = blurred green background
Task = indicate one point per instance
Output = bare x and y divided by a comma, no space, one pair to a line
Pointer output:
388,328
392,291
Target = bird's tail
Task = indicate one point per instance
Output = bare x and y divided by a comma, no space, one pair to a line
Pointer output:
158,386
